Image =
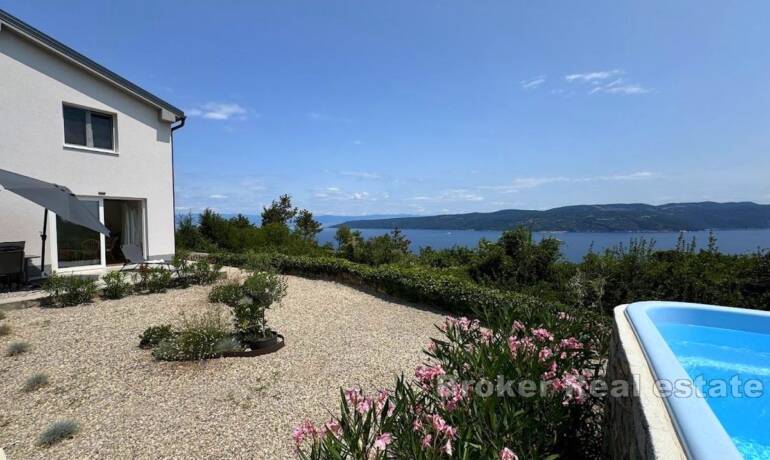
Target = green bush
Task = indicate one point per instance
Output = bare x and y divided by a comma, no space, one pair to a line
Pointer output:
417,284
199,336
58,431
2,315
441,409
67,291
154,335
229,294
260,291
5,329
17,348
116,286
35,382
153,279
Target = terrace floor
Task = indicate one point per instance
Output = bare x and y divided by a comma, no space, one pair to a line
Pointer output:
129,405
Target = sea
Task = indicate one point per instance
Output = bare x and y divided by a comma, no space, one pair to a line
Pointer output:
576,244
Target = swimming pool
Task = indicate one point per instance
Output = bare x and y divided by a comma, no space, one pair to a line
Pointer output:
724,354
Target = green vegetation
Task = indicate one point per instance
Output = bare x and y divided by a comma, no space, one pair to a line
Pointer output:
154,335
35,382
260,292
58,431
5,329
116,285
198,336
153,280
594,218
560,333
67,291
17,348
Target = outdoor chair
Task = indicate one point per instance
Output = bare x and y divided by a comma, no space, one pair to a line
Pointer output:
134,256
12,264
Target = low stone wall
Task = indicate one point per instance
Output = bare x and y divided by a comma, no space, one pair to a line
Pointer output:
639,423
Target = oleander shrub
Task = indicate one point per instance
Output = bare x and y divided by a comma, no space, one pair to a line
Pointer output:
67,291
154,335
17,348
35,382
153,279
5,329
116,285
57,432
198,336
459,403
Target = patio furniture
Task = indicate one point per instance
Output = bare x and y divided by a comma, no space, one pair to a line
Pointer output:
134,256
56,198
12,263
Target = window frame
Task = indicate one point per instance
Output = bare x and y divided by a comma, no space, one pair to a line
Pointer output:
89,129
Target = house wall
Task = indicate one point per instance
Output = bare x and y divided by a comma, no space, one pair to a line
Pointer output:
33,85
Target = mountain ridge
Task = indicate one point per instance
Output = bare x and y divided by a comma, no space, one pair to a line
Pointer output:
615,217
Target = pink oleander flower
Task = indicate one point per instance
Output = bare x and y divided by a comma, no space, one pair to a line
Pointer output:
432,346
551,372
426,440
486,335
439,424
575,388
542,334
333,427
544,354
304,431
352,395
417,425
563,316
364,405
515,345
427,374
382,441
507,454
570,343
382,398
466,367
447,448
450,432
518,326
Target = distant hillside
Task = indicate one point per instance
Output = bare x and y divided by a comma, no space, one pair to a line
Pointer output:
594,218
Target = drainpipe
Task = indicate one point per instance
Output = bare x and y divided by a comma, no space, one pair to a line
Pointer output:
173,185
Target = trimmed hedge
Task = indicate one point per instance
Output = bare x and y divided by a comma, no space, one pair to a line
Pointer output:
456,296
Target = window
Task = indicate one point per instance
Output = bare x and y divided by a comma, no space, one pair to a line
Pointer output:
89,129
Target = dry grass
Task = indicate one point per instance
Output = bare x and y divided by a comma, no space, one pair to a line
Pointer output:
128,405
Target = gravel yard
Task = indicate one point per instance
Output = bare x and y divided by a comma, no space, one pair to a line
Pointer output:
131,406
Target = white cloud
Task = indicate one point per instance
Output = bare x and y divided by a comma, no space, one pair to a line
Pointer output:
532,83
360,174
337,194
599,84
318,116
451,195
219,111
523,183
593,76
217,196
357,142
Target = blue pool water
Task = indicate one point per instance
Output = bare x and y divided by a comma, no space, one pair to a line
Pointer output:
718,359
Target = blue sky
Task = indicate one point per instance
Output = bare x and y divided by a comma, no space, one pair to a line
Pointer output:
359,107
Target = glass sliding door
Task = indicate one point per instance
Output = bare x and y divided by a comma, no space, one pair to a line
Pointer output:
125,220
78,246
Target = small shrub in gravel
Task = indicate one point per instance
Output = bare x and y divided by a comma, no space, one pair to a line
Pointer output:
67,291
35,382
197,337
58,431
116,286
154,335
153,279
17,348
2,315
229,294
261,290
5,329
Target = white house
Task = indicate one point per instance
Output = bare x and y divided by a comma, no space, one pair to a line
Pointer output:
65,119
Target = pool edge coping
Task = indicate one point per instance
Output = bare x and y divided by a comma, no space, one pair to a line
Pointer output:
660,428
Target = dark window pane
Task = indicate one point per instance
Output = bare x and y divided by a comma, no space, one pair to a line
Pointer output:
101,126
78,246
74,126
